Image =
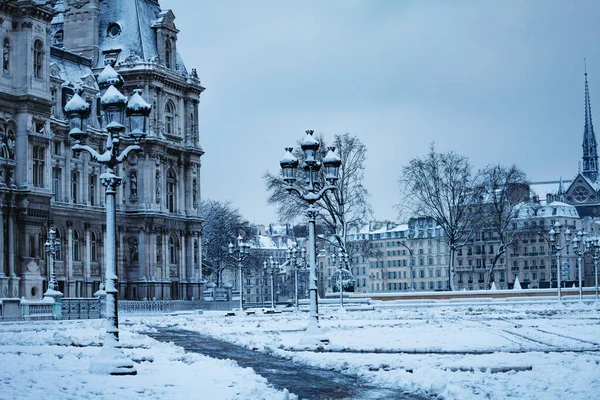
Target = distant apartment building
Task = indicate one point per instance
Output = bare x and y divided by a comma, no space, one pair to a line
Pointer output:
392,257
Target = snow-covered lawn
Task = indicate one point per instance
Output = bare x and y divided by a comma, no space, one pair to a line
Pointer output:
51,359
462,352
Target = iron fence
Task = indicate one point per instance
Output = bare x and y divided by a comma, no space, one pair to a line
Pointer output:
80,308
167,306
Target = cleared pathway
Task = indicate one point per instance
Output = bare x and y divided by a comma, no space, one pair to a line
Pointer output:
305,381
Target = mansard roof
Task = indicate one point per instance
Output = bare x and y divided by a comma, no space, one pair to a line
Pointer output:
71,68
137,20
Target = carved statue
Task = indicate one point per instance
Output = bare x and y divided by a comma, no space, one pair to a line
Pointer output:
158,187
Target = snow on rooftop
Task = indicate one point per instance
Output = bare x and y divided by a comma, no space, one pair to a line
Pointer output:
71,72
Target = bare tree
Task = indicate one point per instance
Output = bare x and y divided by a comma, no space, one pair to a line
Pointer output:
506,201
341,209
442,186
222,224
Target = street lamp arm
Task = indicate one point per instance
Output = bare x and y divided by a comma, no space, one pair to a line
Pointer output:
132,147
309,196
95,155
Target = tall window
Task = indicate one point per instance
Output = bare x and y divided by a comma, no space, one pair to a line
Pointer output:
171,190
172,251
196,253
38,51
56,173
6,55
168,54
76,249
92,189
169,118
38,165
74,185
93,247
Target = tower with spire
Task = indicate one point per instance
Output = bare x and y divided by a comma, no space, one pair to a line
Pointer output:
590,153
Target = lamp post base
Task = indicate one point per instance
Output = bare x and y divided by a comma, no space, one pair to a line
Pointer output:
313,336
112,361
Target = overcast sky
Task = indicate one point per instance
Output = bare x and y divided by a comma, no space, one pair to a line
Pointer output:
497,81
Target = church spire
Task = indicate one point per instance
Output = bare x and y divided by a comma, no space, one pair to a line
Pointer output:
590,154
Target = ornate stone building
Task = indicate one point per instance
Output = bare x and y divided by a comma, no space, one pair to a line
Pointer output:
51,49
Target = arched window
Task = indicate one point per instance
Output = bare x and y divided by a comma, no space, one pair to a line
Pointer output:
172,251
170,118
168,54
196,253
6,55
38,52
76,248
171,190
93,247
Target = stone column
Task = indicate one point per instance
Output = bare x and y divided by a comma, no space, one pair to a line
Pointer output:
13,283
159,111
181,186
189,274
183,276
2,255
68,255
11,243
87,259
3,278
166,275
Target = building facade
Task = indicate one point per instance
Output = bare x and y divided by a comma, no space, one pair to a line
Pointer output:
50,51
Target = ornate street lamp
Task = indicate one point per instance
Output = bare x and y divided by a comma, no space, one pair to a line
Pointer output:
239,252
293,257
312,191
595,254
554,237
342,261
581,246
115,106
274,265
52,246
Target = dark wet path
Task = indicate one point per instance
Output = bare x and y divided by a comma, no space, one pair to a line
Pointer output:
305,381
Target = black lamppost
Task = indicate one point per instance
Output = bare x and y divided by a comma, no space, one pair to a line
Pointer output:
596,257
239,252
342,260
274,266
581,246
293,257
311,192
554,237
52,246
115,107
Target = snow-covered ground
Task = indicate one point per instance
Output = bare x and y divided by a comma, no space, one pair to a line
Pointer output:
531,351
